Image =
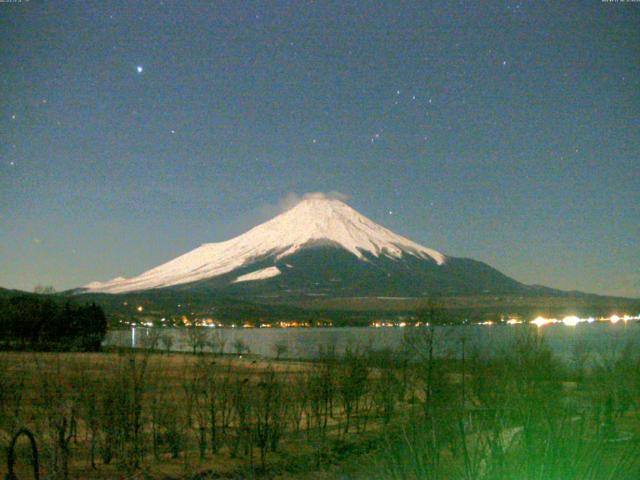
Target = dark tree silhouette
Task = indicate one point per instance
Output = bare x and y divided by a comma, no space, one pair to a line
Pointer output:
34,322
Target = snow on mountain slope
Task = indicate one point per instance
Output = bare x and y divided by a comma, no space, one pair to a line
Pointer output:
315,220
262,274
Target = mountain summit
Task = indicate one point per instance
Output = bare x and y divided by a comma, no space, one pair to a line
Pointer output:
315,221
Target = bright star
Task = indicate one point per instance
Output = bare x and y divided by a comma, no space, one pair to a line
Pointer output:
139,68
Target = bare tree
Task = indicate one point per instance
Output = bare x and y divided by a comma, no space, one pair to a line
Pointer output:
352,383
166,340
197,337
150,339
217,342
44,289
280,349
269,409
240,346
59,410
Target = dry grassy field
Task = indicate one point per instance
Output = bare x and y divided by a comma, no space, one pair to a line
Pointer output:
109,415
391,415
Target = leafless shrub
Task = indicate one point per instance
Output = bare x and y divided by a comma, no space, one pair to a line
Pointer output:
12,388
240,347
197,337
352,383
217,342
269,412
280,348
58,411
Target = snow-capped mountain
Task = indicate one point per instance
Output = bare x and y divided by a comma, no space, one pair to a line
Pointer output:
320,246
314,221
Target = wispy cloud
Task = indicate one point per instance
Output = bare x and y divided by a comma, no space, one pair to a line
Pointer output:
292,199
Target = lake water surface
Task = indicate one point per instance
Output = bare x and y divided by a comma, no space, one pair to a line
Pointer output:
597,338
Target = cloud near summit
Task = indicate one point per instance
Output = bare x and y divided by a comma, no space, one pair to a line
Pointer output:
292,199
266,211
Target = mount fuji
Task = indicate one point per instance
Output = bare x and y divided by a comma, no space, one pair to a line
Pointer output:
319,247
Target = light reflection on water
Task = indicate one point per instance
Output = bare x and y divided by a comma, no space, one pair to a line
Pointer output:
596,339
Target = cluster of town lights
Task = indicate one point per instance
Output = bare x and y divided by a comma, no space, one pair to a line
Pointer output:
387,324
572,320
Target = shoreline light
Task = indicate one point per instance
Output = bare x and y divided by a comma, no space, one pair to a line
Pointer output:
571,321
541,321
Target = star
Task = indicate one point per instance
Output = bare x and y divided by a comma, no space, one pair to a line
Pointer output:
173,131
504,62
139,69
315,141
12,163
13,117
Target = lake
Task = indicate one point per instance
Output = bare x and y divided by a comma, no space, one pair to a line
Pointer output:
600,338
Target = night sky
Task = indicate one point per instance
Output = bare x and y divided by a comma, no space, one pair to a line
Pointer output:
509,132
